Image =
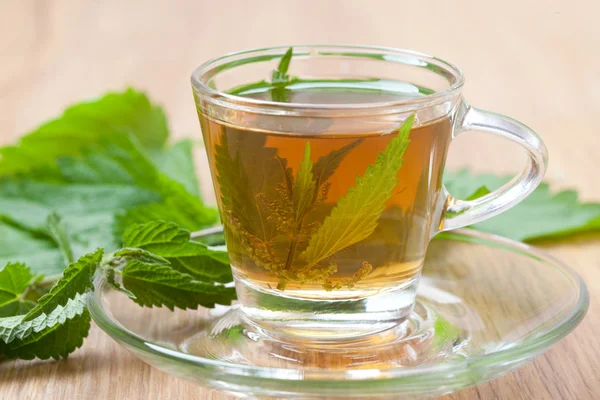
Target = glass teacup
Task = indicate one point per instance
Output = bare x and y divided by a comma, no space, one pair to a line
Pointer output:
328,175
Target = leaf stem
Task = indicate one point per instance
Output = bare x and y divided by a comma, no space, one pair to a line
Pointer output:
294,243
60,237
291,252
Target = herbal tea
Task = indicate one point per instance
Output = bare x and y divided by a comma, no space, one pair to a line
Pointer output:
347,214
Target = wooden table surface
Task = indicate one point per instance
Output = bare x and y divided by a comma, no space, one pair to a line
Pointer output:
535,61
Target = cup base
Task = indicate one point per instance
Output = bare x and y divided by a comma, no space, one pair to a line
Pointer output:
234,338
283,315
278,329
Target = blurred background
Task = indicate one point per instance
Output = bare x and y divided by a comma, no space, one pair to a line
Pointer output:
536,61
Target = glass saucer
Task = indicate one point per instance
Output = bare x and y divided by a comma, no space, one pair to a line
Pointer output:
486,306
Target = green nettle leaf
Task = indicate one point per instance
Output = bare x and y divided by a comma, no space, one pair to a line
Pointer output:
234,186
355,216
55,334
241,192
160,285
161,238
23,214
57,341
304,187
445,333
172,243
542,215
92,192
284,64
176,205
371,85
141,255
161,266
463,183
280,79
76,279
92,166
23,246
129,112
248,88
115,282
279,76
177,162
208,267
88,220
15,280
482,191
87,191
326,165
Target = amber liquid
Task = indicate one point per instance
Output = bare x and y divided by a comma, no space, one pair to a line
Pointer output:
248,168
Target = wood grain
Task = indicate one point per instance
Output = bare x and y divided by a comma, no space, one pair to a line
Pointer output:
535,61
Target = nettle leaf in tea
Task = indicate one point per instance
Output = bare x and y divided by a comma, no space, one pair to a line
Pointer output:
277,87
355,216
273,217
280,79
303,190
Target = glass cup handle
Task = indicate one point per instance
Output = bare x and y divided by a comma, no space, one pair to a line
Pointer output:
460,213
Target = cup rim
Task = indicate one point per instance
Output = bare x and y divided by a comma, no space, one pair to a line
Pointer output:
223,99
